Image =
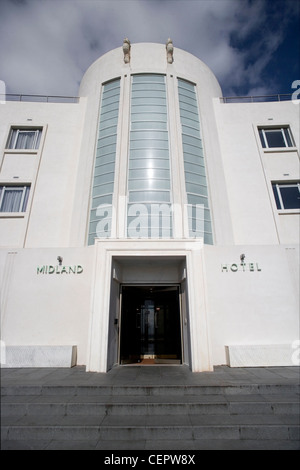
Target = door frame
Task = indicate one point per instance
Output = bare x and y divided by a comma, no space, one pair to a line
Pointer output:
167,284
190,256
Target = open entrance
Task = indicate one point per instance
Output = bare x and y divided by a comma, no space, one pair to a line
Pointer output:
150,325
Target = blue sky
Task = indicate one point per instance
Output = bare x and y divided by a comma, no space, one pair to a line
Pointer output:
252,46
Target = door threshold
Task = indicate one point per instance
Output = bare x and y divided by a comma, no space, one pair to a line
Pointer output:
156,364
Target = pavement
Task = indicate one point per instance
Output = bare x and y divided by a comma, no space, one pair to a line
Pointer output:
151,375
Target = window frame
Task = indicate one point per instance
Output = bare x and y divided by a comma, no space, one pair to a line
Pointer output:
264,141
276,185
14,134
8,187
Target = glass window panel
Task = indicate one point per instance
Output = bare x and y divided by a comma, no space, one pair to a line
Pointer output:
148,163
108,123
24,138
149,108
185,84
194,178
152,125
148,101
148,78
104,178
14,198
188,100
149,153
137,117
275,138
142,93
193,151
149,196
194,159
192,116
149,134
188,107
190,140
111,84
262,140
25,199
288,137
109,111
102,159
150,172
196,189
194,168
103,141
146,144
107,188
208,239
107,131
191,131
108,116
106,148
276,195
101,200
109,103
290,196
103,152
148,184
193,154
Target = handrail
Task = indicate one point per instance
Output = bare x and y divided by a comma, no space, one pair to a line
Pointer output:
255,99
39,98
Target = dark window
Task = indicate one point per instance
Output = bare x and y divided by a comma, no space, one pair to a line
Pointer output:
24,139
287,196
14,198
276,137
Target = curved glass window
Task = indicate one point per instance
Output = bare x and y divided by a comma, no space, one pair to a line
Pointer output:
194,164
149,185
104,171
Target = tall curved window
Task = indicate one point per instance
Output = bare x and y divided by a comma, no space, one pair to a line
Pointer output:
194,164
104,172
149,187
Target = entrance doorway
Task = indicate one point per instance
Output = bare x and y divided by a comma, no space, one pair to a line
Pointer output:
150,325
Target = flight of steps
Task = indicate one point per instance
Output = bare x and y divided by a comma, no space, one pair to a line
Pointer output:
145,417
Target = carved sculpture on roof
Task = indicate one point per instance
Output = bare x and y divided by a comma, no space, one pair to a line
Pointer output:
170,49
126,50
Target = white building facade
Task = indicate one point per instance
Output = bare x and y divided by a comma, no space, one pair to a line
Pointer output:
149,221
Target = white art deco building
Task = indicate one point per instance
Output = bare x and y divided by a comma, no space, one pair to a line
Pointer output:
149,221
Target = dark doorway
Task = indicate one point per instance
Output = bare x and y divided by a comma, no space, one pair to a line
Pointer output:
150,325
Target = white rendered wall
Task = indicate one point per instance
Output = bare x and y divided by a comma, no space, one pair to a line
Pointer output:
51,170
249,170
252,307
46,309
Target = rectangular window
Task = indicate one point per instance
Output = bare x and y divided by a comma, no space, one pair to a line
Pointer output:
14,198
25,139
287,196
274,137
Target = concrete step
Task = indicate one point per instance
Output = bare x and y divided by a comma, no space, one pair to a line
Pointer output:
149,390
150,416
146,448
135,405
142,431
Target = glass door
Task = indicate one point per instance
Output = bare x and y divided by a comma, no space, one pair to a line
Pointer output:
150,325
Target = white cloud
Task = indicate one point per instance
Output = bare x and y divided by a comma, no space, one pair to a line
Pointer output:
46,45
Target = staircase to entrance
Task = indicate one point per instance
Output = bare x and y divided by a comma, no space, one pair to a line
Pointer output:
150,408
